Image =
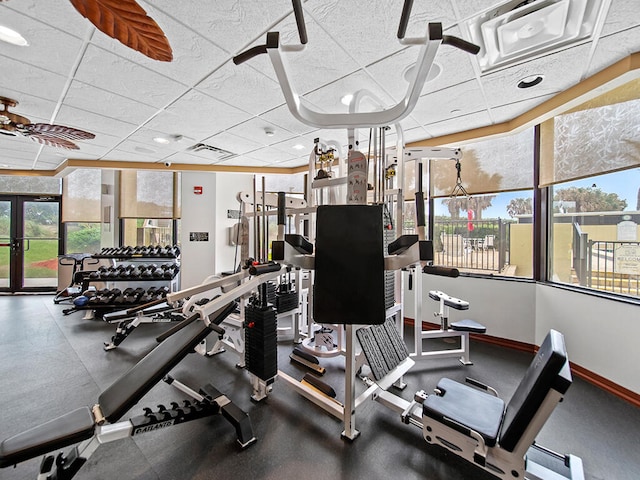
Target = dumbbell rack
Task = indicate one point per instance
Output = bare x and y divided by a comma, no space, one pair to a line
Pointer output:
131,269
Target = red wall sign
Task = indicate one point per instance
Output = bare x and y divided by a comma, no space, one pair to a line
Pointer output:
197,190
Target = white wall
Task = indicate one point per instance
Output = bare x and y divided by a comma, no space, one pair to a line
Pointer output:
208,213
197,259
227,187
507,309
601,335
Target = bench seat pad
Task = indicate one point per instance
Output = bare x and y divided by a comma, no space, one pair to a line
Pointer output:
58,433
466,406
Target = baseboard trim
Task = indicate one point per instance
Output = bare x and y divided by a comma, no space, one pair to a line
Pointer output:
577,370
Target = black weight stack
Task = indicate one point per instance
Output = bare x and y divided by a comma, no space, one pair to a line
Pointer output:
261,340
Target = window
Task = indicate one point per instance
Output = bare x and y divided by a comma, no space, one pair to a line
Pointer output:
149,207
590,164
485,234
483,207
81,191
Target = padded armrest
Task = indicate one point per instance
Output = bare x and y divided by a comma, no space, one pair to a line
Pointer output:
58,433
449,301
401,244
301,244
125,392
463,408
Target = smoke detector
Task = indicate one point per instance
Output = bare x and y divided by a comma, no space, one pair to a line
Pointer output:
519,30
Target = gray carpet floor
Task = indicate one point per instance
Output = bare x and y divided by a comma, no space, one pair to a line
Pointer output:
51,364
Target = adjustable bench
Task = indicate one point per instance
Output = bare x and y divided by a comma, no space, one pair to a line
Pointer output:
96,425
477,426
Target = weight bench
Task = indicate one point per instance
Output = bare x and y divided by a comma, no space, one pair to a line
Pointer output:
94,426
475,424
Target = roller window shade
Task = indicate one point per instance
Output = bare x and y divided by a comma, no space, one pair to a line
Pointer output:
600,136
490,166
81,191
146,194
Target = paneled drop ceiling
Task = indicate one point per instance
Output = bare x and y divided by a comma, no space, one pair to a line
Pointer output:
72,74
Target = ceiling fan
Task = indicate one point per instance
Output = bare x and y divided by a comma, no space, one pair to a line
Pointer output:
51,135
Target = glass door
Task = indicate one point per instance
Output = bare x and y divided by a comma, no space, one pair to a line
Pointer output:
29,243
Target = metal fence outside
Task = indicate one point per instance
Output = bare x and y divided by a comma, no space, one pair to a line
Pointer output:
476,245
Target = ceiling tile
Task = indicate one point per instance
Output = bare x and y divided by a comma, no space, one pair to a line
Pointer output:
255,131
197,115
270,155
282,117
123,77
453,101
561,70
510,111
107,104
612,48
453,125
232,143
194,57
60,15
230,24
36,109
26,78
244,87
91,122
320,62
121,155
368,41
329,96
245,161
621,15
49,48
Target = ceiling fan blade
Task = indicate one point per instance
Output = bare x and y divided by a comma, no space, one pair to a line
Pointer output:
57,131
52,141
129,23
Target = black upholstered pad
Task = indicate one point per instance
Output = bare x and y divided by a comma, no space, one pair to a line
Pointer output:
468,325
58,433
466,407
547,370
125,392
349,285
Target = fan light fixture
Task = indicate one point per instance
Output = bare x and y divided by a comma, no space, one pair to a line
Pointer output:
9,35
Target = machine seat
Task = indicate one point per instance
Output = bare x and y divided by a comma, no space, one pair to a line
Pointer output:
125,392
468,325
58,433
462,408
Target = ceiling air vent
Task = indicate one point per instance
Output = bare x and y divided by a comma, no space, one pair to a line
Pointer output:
214,153
519,30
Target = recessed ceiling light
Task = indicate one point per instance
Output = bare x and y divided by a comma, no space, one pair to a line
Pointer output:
298,146
11,36
162,140
530,81
4,165
269,132
410,72
346,100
